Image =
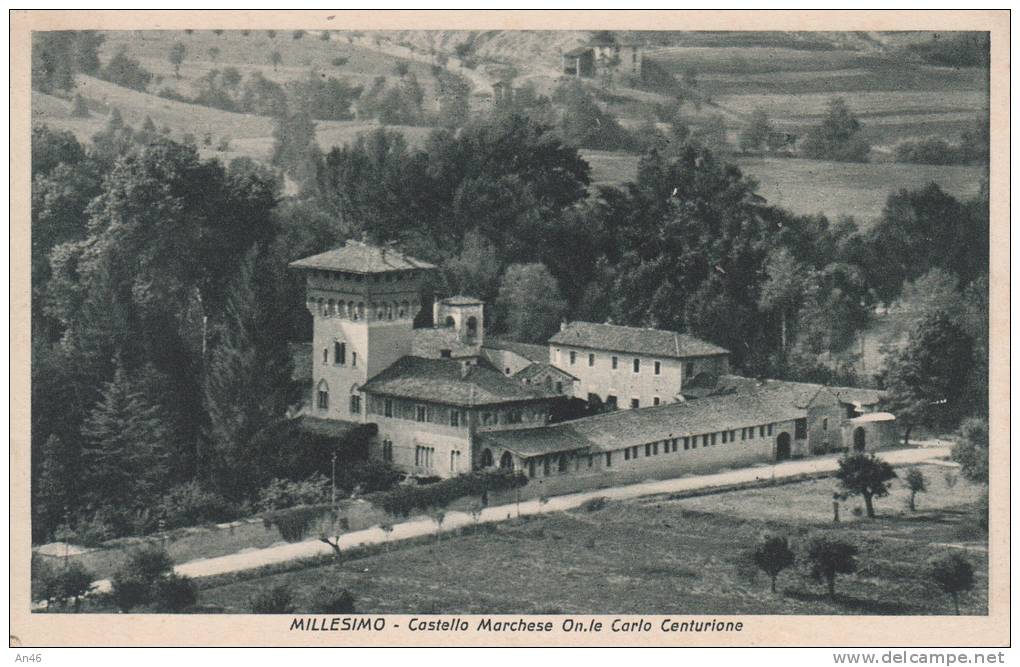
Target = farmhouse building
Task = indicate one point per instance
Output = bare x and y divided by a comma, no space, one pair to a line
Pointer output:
442,400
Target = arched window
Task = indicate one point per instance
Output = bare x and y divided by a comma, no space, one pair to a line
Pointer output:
449,321
562,463
361,310
322,307
472,327
331,308
322,395
506,462
389,311
339,352
486,458
352,311
404,307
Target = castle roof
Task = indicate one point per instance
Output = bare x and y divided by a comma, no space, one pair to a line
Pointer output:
357,257
650,342
447,381
532,371
797,393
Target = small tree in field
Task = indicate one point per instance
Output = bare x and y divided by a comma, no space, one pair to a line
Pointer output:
773,555
827,556
954,575
865,475
387,529
439,516
916,483
329,529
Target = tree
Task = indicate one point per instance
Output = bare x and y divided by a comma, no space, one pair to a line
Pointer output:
837,137
529,303
177,53
174,593
971,449
923,380
295,149
263,97
79,107
73,583
52,492
124,70
772,555
277,600
58,55
865,475
125,459
827,557
925,229
329,529
954,575
275,59
439,516
134,583
757,131
784,290
915,481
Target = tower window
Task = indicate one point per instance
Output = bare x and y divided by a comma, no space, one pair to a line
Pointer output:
354,359
637,365
355,405
325,355
449,321
573,357
635,403
322,397
387,407
445,354
591,360
655,400
387,451
690,369
472,327
339,353
421,413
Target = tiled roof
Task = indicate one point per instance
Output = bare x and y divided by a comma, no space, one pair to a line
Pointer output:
461,300
536,441
579,51
530,372
650,342
358,257
431,341
858,395
531,352
626,428
331,428
444,381
798,394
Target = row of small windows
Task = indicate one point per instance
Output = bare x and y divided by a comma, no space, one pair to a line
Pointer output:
691,442
423,456
372,278
356,311
635,364
322,398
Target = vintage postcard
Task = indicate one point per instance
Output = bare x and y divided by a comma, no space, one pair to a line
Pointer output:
510,328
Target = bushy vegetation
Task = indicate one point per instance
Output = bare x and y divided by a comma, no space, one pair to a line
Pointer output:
837,137
147,580
403,500
955,50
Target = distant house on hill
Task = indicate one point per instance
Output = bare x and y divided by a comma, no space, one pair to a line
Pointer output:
603,57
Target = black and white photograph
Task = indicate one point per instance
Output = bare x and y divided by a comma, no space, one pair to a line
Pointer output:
341,324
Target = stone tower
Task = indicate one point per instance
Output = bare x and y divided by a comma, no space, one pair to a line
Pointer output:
363,300
462,314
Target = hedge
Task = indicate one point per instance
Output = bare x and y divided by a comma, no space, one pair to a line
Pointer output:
403,500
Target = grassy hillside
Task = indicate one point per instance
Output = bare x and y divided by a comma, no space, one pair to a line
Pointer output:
813,186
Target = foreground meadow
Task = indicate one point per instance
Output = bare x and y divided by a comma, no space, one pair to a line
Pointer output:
657,556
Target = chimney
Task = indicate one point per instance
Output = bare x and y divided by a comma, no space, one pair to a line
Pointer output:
563,324
435,310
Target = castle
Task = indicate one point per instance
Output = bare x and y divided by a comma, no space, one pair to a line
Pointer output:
446,401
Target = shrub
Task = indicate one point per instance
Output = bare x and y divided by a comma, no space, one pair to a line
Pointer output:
594,504
326,600
403,500
122,70
189,504
971,450
773,555
277,600
294,522
370,476
92,530
174,593
284,493
134,583
340,61
828,556
953,574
